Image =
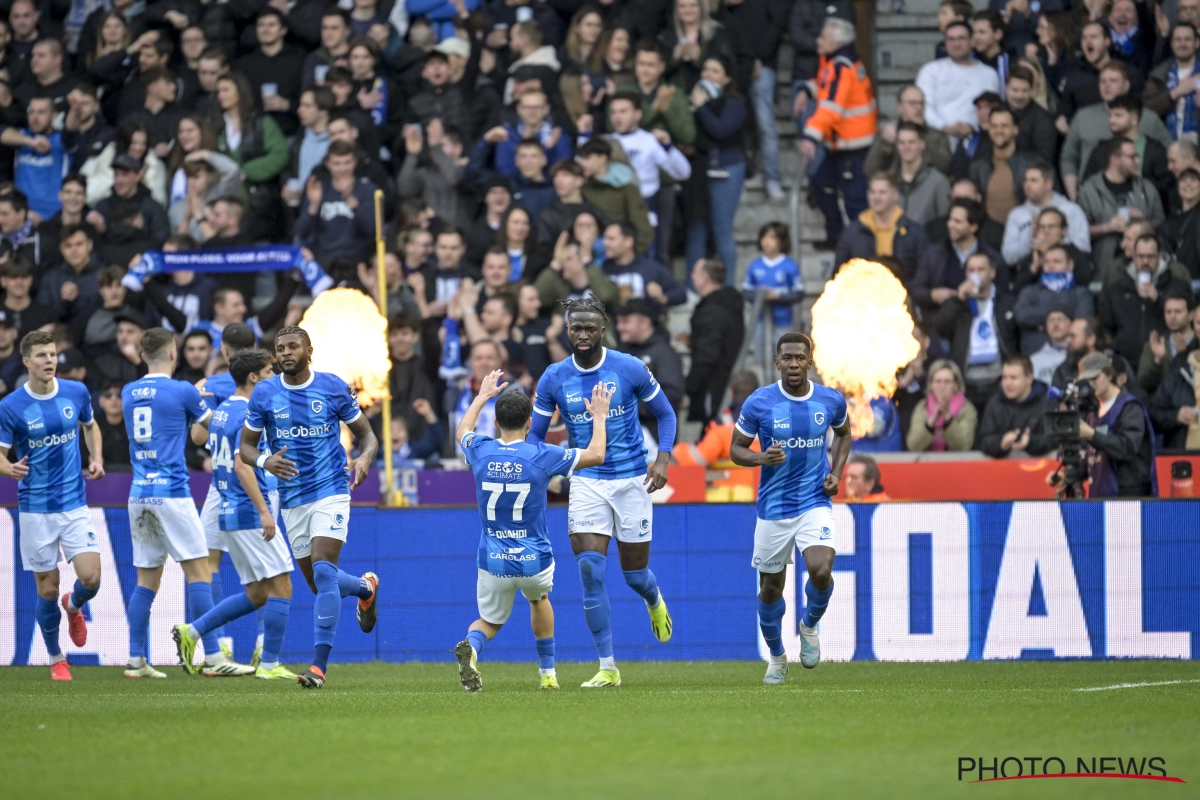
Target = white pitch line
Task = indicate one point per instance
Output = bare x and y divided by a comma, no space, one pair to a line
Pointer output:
1133,685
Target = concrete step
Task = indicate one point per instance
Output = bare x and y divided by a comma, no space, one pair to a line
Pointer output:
899,55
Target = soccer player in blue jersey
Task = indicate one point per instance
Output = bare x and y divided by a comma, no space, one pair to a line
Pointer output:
216,390
41,421
300,412
511,477
791,419
247,525
162,515
612,499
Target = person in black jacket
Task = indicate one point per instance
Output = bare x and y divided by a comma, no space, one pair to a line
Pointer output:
275,70
1035,125
881,225
718,327
1132,304
1013,419
1124,119
1121,437
1173,407
941,270
641,337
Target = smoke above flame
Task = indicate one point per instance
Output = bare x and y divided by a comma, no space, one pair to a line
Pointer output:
862,334
349,338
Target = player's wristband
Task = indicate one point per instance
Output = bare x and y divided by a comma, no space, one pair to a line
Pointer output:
261,462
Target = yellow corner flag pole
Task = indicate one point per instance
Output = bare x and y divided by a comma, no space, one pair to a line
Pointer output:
381,282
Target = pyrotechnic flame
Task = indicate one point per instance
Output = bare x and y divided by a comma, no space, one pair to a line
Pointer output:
349,339
862,334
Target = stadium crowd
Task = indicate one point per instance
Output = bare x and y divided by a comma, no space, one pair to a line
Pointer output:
1038,195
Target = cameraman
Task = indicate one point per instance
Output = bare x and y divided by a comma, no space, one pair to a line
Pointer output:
1120,434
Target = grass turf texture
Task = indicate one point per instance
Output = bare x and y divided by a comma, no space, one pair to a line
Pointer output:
673,730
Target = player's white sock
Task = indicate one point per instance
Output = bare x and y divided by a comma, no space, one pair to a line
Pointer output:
137,662
544,672
195,634
608,662
57,658
71,609
258,642
268,665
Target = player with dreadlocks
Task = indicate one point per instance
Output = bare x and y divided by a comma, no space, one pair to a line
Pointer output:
300,412
612,499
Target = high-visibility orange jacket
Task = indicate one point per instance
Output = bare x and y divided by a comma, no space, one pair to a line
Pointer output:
846,117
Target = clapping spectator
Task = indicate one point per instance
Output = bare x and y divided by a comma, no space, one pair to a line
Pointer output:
571,275
1162,346
1013,419
338,219
946,420
613,188
434,173
637,276
1050,356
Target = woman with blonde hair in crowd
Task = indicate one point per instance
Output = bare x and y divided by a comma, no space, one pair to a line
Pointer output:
946,420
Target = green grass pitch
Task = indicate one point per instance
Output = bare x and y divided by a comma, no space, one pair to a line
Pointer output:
673,730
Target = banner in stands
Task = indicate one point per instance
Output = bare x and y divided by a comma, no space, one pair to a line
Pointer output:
914,582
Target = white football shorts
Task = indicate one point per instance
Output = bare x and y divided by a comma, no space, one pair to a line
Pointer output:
775,540
43,534
329,516
210,512
255,559
621,507
162,526
495,593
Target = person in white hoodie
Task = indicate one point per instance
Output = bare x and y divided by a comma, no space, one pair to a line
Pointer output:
951,85
1038,183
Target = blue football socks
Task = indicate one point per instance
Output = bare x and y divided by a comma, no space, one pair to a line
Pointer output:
644,583
218,595
353,586
138,614
200,602
770,622
326,609
48,619
477,639
81,594
227,610
818,601
595,600
545,651
274,616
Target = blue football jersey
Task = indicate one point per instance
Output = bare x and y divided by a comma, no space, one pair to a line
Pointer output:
306,419
510,485
158,413
566,386
46,428
224,440
799,426
221,387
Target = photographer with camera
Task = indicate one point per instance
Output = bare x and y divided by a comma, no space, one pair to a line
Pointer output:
1120,435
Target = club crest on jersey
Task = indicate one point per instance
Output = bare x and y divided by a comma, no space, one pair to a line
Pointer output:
317,405
819,417
68,412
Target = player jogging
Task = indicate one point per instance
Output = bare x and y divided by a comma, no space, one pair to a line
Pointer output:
247,527
162,515
235,338
511,477
300,411
791,419
40,420
611,499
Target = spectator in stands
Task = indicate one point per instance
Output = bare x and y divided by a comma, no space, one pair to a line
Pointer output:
338,219
1013,419
1038,185
194,356
275,70
571,275
1181,231
1035,125
882,233
19,231
1161,348
1124,114
436,285
1173,407
407,378
977,144
130,138
42,155
990,233
127,187
1113,197
715,187
342,128
777,276
1121,437
844,122
692,38
999,174
987,40
1131,306
952,84
1082,80
111,419
538,334
947,419
121,362
533,122
335,46
1171,88
612,187
20,310
567,178
637,276
1133,34
640,336
1050,356
497,199
254,140
486,357
515,239
310,144
978,322
910,103
924,192
433,173
1056,285
374,92
1089,127
531,190
1085,336
71,289
1049,230
942,268
862,481
718,328
409,449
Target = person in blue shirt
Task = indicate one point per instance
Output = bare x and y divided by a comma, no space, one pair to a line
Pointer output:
791,419
613,498
301,412
247,527
41,422
162,514
511,480
43,154
776,275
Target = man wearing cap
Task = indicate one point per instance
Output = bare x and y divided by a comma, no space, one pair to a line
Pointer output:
128,171
1121,435
72,366
952,84
640,336
123,361
440,96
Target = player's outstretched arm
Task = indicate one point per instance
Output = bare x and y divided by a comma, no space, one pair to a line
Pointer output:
593,456
841,452
16,470
368,446
741,454
487,390
95,445
249,481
